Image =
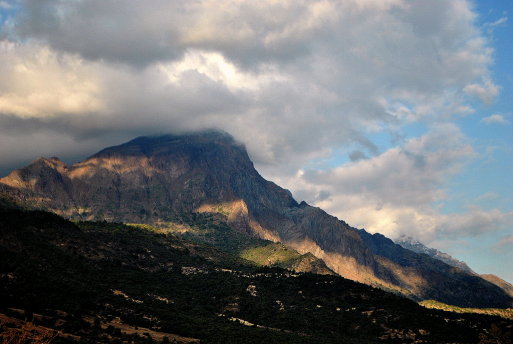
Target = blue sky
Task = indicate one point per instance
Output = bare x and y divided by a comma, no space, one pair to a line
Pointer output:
487,181
394,115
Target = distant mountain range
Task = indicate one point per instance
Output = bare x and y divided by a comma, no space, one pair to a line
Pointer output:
160,180
418,247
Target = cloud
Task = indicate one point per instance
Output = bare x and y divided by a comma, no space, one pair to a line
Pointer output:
504,243
137,34
5,5
403,175
487,91
38,83
488,196
475,222
394,192
495,119
497,23
22,148
293,80
357,155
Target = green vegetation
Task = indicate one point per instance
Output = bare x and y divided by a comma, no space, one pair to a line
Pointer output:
279,255
271,254
504,313
213,230
96,282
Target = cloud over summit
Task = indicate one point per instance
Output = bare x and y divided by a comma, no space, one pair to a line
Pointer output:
293,80
335,68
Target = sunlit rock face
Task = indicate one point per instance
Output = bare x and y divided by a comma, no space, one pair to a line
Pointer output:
155,179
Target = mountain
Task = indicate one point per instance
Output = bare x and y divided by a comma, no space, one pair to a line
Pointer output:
506,286
100,282
156,180
418,247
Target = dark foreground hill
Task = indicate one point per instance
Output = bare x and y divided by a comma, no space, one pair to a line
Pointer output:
154,180
98,282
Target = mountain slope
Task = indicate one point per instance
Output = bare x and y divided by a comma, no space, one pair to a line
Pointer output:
156,179
506,286
98,282
418,247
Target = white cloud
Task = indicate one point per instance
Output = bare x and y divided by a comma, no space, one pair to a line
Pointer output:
39,83
486,91
475,221
500,21
294,80
495,119
490,27
393,193
405,175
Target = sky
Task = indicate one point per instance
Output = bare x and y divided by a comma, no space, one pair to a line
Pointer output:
393,115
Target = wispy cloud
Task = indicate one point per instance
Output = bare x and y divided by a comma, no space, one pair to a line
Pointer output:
495,119
488,196
5,5
505,243
497,23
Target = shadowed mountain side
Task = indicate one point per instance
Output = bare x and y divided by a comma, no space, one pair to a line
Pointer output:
436,272
155,179
506,286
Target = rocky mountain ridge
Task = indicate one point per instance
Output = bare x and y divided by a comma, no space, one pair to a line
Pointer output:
418,247
155,179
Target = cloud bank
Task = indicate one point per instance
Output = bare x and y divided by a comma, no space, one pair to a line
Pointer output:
293,80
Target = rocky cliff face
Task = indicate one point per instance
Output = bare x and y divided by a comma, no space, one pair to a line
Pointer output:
153,180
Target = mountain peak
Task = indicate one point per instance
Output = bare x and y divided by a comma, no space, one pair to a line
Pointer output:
150,145
158,179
